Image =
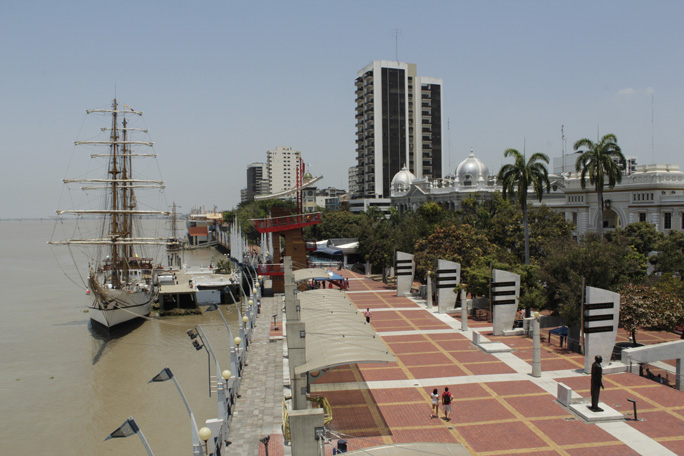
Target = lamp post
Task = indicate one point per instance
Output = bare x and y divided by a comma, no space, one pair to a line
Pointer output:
205,434
165,375
536,347
129,428
233,352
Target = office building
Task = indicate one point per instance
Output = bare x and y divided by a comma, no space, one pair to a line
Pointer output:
398,123
282,166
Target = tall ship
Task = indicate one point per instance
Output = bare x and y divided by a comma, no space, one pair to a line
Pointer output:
122,269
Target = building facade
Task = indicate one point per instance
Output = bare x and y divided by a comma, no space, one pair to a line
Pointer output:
257,181
282,166
398,123
649,193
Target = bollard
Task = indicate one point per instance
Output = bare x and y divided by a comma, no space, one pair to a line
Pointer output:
635,409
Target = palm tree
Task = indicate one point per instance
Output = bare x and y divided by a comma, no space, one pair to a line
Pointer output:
601,160
517,177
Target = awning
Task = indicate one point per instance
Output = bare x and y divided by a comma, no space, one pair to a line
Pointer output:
330,275
310,273
329,250
337,332
198,231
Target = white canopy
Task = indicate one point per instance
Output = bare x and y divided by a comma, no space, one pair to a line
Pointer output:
337,332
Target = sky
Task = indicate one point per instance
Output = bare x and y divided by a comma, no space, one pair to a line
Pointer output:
222,82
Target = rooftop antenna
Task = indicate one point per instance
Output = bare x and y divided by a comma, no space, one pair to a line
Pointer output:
652,147
563,147
449,141
397,32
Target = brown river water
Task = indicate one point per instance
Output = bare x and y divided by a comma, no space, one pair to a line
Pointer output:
64,387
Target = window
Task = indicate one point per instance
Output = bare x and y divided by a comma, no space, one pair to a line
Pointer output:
642,216
668,220
574,218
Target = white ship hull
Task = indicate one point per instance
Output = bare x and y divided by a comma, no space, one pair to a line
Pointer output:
122,306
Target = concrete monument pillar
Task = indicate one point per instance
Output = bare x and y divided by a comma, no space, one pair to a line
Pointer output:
304,425
448,277
505,292
600,323
406,269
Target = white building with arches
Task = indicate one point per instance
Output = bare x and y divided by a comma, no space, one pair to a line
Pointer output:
651,193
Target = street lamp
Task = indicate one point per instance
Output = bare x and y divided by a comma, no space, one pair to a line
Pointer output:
165,375
205,434
127,429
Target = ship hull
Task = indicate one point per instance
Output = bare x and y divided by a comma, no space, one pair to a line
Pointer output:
121,306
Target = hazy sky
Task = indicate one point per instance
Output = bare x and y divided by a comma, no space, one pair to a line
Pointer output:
221,82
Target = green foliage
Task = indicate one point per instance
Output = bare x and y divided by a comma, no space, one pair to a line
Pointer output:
670,257
648,307
335,225
223,266
460,243
643,236
602,265
531,290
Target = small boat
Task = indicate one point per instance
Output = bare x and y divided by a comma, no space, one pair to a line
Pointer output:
122,276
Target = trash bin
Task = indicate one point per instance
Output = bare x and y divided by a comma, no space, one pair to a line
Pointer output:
341,446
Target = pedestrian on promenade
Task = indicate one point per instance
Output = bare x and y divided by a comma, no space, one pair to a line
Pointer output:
367,313
434,412
446,403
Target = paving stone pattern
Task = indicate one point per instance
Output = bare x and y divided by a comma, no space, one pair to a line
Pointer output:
258,412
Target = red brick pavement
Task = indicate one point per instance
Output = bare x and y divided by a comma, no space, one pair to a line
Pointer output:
492,418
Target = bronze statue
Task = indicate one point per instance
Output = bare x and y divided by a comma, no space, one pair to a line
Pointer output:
596,383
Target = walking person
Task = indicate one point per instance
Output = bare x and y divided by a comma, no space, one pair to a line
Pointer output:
434,412
367,313
446,403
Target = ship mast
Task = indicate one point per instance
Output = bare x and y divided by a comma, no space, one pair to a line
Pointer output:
115,231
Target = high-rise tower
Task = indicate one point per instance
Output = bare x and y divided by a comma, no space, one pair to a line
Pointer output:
398,123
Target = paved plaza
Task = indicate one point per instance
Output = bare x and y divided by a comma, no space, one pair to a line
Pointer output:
498,408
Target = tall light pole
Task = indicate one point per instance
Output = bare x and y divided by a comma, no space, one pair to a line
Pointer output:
165,375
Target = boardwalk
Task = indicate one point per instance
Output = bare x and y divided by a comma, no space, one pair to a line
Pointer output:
499,409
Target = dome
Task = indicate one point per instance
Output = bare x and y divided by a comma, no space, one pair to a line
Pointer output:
308,177
402,180
471,171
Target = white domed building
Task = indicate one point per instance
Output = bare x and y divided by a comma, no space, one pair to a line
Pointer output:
471,176
651,193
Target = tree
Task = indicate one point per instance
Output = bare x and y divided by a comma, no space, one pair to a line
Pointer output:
607,265
600,161
670,257
643,236
648,307
516,178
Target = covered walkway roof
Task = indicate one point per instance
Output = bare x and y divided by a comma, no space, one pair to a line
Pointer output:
337,332
310,273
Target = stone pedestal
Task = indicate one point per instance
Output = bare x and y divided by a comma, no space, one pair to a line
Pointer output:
406,268
601,312
447,278
303,427
505,292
